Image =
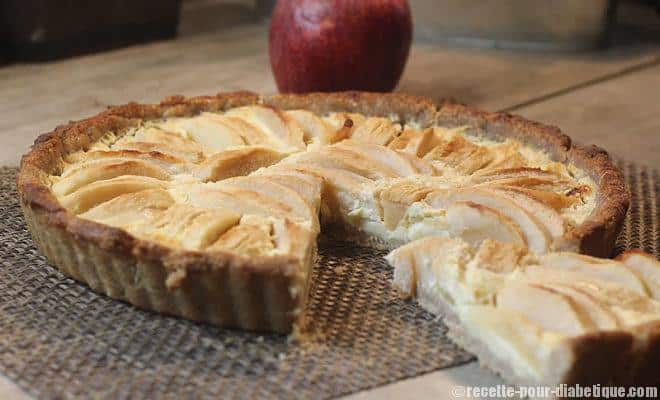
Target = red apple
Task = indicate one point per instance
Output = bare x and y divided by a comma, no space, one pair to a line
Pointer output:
333,45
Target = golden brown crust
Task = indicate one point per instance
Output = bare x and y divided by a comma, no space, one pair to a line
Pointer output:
635,356
592,356
179,106
53,226
644,369
599,232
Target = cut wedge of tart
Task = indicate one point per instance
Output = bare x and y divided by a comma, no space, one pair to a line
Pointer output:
540,319
209,208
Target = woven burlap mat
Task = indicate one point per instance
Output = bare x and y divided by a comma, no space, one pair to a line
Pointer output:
58,339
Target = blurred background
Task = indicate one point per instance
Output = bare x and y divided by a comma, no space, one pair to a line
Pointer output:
579,64
37,30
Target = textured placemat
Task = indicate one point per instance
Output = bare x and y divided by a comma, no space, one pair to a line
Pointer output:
59,339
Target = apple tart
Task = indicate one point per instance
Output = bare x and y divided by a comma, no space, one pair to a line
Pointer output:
209,208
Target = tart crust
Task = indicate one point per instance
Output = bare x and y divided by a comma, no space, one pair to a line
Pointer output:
255,293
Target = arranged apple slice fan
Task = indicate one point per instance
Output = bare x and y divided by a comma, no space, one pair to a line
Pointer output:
199,183
215,211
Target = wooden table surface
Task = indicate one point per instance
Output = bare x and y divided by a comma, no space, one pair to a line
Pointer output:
610,98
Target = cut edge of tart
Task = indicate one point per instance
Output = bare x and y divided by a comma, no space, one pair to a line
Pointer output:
222,279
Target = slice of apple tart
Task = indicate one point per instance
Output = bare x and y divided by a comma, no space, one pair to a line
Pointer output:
540,319
209,207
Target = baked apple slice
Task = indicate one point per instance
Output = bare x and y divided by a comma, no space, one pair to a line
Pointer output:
355,160
529,177
475,223
251,237
205,130
236,162
250,133
597,312
309,187
275,123
98,171
101,191
505,155
188,227
556,201
596,268
394,199
131,209
378,131
536,234
418,268
397,163
545,214
240,201
414,142
294,197
172,164
164,148
560,312
647,268
316,131
151,137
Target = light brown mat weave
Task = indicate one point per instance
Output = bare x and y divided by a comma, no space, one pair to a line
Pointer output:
58,339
